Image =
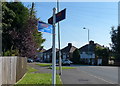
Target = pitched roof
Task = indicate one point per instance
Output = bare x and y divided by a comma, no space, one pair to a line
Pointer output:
68,48
43,50
50,50
72,49
91,47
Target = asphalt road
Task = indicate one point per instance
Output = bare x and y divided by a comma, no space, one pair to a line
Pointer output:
90,75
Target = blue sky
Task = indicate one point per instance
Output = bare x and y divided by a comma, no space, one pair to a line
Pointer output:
99,17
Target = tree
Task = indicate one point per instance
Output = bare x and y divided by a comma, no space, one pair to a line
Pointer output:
102,53
20,30
7,19
115,38
76,57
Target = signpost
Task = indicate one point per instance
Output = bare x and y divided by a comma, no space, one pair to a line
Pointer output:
59,16
54,51
53,20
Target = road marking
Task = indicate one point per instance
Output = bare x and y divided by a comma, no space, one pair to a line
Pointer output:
98,77
109,67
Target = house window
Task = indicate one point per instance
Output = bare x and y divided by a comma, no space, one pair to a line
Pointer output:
48,56
64,56
68,56
45,56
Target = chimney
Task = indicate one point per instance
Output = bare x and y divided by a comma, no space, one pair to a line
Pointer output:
91,42
70,44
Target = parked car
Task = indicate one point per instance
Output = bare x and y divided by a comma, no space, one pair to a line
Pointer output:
37,60
30,60
67,62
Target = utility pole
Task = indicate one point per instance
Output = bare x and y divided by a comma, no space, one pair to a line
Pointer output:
88,42
54,51
59,52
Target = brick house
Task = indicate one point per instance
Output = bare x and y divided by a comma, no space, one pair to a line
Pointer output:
67,52
40,54
87,54
47,55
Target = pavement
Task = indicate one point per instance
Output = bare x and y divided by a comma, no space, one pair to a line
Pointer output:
40,69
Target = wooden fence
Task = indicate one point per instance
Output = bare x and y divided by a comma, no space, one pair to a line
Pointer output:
12,69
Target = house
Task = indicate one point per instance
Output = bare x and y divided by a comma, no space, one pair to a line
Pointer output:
47,55
87,54
67,52
40,54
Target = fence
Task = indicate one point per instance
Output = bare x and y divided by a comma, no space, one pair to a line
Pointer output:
12,69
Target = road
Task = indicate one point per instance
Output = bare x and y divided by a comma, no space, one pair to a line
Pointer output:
90,75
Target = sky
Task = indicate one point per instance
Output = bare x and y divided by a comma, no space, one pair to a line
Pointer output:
98,17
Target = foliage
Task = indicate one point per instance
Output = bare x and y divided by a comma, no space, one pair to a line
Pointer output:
115,38
11,53
76,57
7,19
20,30
38,38
102,53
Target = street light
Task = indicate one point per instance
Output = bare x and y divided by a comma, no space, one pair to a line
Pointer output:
88,42
88,33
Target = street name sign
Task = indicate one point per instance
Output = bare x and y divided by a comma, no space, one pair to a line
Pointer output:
59,16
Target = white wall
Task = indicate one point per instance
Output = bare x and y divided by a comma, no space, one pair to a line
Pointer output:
99,62
85,55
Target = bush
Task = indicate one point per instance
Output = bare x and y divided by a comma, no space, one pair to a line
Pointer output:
11,53
76,57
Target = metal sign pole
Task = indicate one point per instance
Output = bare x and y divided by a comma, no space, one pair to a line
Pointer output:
60,65
54,51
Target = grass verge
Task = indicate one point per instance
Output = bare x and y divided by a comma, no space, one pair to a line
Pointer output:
44,65
37,78
30,69
57,68
34,79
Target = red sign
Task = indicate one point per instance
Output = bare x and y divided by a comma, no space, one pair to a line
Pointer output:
59,16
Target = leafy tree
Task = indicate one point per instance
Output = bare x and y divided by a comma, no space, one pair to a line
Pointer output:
20,34
115,38
76,57
7,19
102,53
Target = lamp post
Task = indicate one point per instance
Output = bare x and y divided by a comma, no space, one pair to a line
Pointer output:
88,42
88,33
